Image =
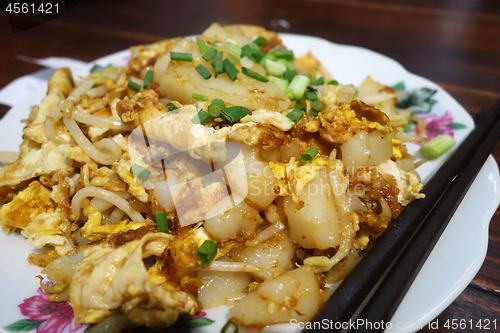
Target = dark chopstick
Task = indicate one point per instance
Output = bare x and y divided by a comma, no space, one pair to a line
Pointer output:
359,284
392,290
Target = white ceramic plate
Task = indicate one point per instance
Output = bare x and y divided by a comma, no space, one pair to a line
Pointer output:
451,266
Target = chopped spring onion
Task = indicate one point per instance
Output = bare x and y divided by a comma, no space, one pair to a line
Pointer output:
316,107
298,86
254,75
252,51
171,106
226,327
311,95
280,83
334,82
202,46
436,147
234,52
295,115
207,252
210,54
309,155
288,65
161,221
139,171
259,41
235,113
289,75
134,86
215,43
217,64
200,117
249,55
148,78
269,56
298,106
275,68
230,70
246,62
179,56
259,55
215,108
284,54
198,96
318,82
203,72
232,41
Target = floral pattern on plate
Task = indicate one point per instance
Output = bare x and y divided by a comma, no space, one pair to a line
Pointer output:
45,316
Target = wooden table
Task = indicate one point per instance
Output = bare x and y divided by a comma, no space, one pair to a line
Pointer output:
454,43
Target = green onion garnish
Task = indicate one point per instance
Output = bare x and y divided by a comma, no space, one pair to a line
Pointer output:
214,43
316,107
298,86
275,68
202,46
210,54
254,75
259,41
148,78
318,82
198,96
139,171
289,75
179,56
161,221
134,86
269,56
207,252
249,55
334,82
259,55
235,113
23,136
171,106
284,54
252,51
234,52
280,83
200,117
288,65
230,70
217,64
309,155
215,108
436,147
232,324
204,72
311,95
295,115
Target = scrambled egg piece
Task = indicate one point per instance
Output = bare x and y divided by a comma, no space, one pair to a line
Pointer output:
94,231
276,119
408,183
110,278
50,229
26,206
338,124
47,160
122,171
292,178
